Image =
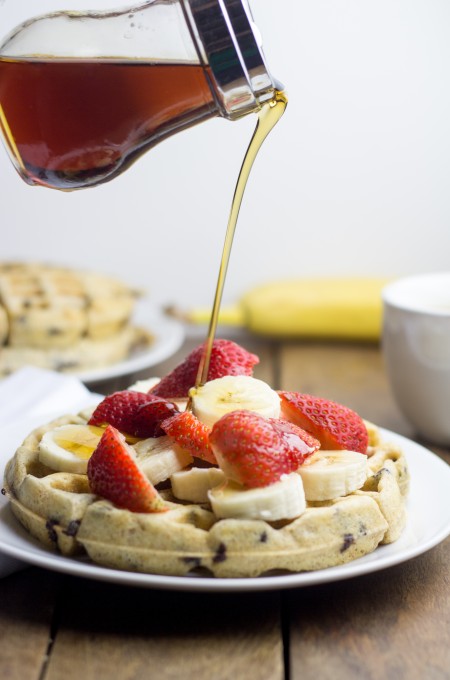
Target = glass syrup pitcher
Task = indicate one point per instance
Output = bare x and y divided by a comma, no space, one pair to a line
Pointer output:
84,93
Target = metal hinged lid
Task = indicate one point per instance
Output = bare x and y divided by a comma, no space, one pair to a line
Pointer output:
228,43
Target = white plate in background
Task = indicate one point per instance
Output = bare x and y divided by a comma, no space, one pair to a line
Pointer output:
168,337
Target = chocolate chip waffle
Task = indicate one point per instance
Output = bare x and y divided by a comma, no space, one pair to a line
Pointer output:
59,510
64,320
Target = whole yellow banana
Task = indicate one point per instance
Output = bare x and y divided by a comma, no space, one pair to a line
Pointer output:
335,308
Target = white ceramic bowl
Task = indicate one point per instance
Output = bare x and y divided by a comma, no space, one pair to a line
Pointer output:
416,347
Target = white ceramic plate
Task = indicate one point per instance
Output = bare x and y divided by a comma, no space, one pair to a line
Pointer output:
168,334
428,524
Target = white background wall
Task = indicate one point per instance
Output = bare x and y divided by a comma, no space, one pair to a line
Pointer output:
354,180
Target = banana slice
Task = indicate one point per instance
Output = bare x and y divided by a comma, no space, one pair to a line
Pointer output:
217,397
160,457
193,485
331,474
282,500
68,448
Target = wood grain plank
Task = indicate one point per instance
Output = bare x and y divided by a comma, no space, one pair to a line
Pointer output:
385,626
111,632
27,602
388,625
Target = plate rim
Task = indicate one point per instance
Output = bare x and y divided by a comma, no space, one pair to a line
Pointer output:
153,319
40,556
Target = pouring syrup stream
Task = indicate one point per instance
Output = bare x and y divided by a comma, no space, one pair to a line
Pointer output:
268,117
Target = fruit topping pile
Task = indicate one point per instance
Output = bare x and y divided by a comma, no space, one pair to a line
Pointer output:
233,443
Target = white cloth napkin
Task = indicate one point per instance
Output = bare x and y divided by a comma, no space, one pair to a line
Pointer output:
35,396
36,393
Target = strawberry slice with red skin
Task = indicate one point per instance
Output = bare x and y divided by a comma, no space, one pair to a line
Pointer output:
227,358
336,427
256,451
148,418
191,434
133,413
114,474
300,444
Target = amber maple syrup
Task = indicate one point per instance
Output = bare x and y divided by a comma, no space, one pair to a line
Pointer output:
73,123
268,117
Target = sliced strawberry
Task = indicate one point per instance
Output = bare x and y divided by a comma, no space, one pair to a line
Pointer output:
334,425
227,358
133,413
114,474
149,417
256,451
301,444
190,433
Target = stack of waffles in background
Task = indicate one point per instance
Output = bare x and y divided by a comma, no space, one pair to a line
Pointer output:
64,320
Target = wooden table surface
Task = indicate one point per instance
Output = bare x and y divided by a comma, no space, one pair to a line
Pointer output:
393,624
